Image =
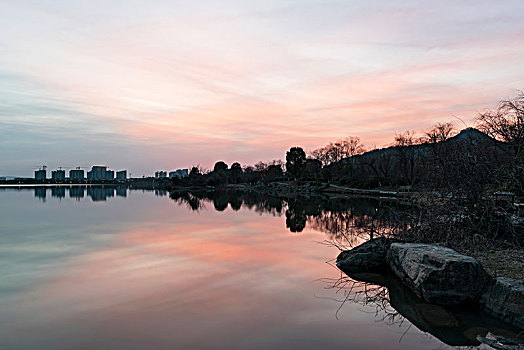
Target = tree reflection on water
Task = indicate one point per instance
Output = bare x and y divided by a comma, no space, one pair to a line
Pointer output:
346,221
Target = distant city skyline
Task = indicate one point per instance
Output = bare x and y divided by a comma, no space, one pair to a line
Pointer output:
156,85
96,173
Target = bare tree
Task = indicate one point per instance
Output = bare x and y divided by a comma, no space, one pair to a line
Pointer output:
380,163
260,166
506,124
440,132
406,154
456,192
341,149
351,146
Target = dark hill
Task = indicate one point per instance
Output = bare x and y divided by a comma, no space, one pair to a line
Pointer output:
403,165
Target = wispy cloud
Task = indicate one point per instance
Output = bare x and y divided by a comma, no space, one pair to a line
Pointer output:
181,83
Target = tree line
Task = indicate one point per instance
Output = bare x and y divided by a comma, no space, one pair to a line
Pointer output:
460,180
410,161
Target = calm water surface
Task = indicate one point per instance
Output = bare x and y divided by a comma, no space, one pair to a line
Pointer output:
120,269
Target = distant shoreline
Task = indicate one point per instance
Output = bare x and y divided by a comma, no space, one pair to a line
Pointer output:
133,182
61,185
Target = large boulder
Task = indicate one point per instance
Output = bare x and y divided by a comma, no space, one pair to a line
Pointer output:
437,274
368,257
504,298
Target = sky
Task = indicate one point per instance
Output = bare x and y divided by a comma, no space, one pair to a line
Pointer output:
161,85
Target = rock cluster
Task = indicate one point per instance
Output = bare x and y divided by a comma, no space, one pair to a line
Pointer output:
440,275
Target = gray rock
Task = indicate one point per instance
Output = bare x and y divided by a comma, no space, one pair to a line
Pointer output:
369,256
504,298
437,274
499,342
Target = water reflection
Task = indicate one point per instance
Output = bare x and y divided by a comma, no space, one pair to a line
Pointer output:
141,271
160,193
58,192
146,273
100,194
394,303
95,193
77,192
41,192
121,191
345,220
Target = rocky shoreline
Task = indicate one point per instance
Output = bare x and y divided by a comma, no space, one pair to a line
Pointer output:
439,276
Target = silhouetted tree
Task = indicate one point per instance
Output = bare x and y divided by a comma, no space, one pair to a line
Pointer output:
457,192
236,167
220,165
296,217
380,162
194,171
506,124
250,175
235,173
341,149
406,154
260,166
274,171
440,151
195,176
440,132
216,178
313,167
295,161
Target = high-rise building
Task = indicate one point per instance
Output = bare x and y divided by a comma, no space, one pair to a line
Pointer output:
180,173
121,175
160,174
76,174
58,175
40,174
97,173
110,175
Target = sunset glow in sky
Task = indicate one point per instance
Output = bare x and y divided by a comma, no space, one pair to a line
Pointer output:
160,85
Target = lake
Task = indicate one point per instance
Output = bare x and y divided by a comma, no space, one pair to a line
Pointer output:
113,268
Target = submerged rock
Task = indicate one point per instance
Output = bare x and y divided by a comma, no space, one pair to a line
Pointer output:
454,325
504,298
437,316
499,342
369,256
437,274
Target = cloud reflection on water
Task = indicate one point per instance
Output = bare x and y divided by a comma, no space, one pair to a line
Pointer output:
142,272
